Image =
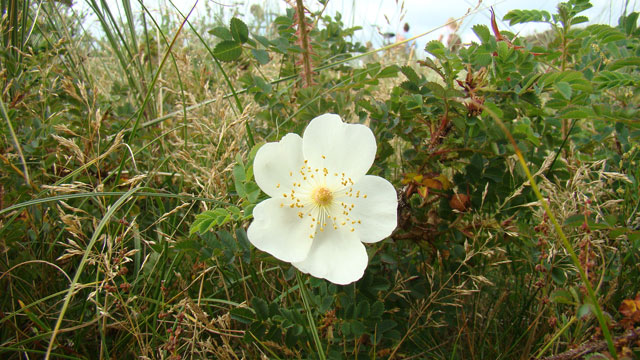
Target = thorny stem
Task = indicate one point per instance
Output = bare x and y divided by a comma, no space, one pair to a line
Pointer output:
304,43
563,65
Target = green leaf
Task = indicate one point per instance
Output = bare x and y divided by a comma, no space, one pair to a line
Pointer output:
574,112
221,32
612,79
261,56
574,220
617,64
362,309
630,22
562,296
614,233
493,107
239,178
239,30
292,335
261,307
209,219
436,88
435,48
386,325
263,85
388,72
376,310
525,16
410,74
357,328
504,51
262,40
227,50
564,89
584,310
483,33
558,275
243,315
253,192
579,20
605,33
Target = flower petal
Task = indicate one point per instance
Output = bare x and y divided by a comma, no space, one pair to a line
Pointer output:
280,231
339,147
275,161
377,211
335,255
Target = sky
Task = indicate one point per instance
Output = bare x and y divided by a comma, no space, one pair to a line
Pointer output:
389,16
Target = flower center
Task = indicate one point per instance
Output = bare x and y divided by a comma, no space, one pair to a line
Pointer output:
321,196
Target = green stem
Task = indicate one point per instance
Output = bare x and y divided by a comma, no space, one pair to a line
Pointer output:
312,323
555,337
16,142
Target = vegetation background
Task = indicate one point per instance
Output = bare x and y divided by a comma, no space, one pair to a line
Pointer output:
126,186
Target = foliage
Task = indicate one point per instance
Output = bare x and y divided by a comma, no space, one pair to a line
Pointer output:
127,186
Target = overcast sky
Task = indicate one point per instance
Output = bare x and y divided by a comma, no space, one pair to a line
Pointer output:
427,15
375,16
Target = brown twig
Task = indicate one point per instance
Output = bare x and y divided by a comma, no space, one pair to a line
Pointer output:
592,347
303,37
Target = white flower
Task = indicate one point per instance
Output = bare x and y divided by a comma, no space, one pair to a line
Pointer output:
323,206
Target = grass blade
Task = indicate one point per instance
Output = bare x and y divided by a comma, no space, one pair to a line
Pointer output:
107,217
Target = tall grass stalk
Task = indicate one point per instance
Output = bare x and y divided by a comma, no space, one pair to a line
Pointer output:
234,93
16,143
72,287
153,82
117,41
556,225
306,301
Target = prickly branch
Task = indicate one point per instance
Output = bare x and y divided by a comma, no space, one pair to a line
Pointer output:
302,32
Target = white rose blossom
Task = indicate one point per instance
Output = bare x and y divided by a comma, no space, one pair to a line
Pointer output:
323,206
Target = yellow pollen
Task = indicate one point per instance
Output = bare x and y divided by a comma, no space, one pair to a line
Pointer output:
321,196
323,157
